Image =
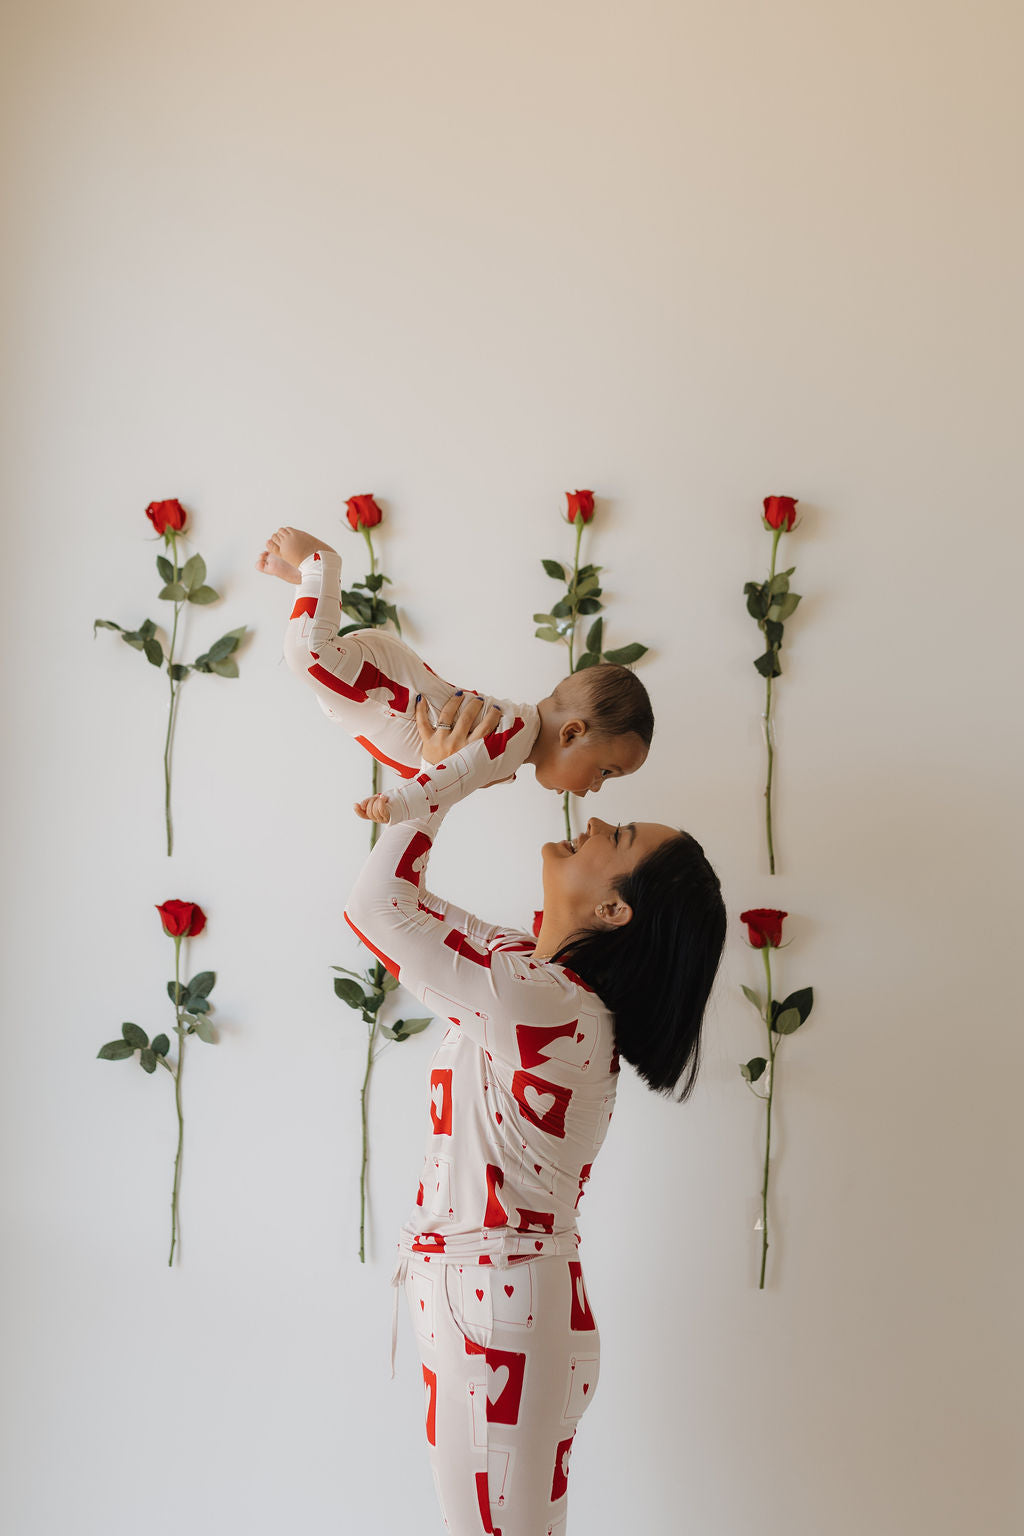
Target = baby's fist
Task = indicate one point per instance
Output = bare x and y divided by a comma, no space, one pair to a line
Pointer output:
375,808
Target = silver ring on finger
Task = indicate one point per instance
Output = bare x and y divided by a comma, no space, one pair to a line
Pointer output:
442,727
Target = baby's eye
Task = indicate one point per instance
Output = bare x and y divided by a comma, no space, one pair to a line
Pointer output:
606,773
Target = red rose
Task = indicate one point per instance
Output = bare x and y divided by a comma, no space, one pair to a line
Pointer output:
182,919
362,512
780,512
581,502
764,925
166,514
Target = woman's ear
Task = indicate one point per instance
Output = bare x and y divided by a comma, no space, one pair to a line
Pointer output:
615,913
571,730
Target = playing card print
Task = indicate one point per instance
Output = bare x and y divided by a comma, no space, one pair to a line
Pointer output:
560,1480
583,1370
441,1101
430,1390
571,1043
495,1214
442,1200
541,1103
512,1297
581,1319
421,1304
505,1373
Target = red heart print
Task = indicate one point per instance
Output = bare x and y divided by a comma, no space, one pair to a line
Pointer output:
479,1295
509,1289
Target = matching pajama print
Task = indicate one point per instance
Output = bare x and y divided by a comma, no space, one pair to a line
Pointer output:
521,1090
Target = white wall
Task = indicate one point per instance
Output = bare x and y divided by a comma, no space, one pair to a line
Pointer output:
466,256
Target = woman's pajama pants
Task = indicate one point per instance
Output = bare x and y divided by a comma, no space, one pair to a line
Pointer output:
510,1361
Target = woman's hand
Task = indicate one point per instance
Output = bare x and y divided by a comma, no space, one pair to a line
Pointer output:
462,719
375,808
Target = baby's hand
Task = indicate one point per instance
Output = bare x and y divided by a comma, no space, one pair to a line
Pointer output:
375,808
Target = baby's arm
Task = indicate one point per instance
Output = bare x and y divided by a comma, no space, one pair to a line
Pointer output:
496,747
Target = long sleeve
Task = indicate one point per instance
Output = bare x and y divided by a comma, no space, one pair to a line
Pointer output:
474,974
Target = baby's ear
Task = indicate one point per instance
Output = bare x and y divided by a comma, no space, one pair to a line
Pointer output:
571,731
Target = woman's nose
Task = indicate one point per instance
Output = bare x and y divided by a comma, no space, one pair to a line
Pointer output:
595,825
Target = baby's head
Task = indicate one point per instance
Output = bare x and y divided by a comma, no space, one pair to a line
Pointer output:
596,725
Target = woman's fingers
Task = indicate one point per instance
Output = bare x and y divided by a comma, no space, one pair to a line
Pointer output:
461,719
487,721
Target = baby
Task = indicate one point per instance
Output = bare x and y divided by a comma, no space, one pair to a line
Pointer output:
596,725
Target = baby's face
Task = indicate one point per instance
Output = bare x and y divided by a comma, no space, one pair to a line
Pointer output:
583,764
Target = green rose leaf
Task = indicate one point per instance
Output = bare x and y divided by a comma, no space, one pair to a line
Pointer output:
147,1061
115,1050
773,633
165,568
154,652
786,1021
547,633
227,667
202,984
780,582
588,570
161,1045
754,1068
389,1033
626,655
553,568
768,664
135,1036
222,647
204,1029
413,1026
589,605
106,624
197,1004
350,992
594,635
392,613
176,992
389,982
802,1001
373,583
174,592
203,595
748,992
179,670
586,586
785,606
588,659
562,609
194,573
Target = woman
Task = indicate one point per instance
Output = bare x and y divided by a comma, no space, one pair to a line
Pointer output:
521,1091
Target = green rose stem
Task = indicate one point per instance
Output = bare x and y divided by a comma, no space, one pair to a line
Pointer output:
173,707
772,1047
572,638
179,1030
378,976
768,729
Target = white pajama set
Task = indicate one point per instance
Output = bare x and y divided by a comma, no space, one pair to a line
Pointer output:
521,1090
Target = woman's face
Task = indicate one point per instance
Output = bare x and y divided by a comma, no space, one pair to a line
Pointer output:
580,876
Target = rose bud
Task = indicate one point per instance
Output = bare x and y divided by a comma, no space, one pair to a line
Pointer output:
780,512
764,925
362,512
581,502
166,514
182,919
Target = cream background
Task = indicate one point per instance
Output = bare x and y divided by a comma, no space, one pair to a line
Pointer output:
466,256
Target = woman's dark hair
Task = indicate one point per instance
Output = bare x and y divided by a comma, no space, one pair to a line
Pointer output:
615,699
655,973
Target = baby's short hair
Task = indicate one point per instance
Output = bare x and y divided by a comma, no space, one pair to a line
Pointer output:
614,699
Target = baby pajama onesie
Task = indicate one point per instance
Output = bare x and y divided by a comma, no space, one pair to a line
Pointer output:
521,1090
368,681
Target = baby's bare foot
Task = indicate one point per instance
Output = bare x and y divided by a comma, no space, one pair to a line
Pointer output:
293,546
273,565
